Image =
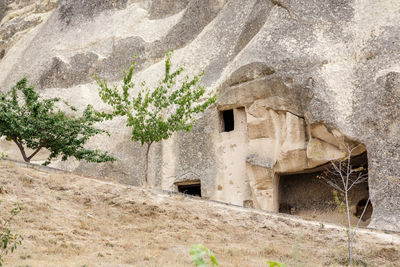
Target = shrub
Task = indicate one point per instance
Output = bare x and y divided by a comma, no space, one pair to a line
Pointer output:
8,240
200,254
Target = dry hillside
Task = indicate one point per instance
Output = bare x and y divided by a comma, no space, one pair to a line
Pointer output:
70,220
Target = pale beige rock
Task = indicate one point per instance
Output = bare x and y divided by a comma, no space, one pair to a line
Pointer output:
295,133
292,161
231,160
275,103
319,150
258,128
261,181
321,132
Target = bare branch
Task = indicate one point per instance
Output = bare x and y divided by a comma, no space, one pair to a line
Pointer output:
359,180
336,168
333,184
354,148
359,219
332,172
348,168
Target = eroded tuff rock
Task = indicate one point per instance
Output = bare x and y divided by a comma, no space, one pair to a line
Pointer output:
17,17
296,74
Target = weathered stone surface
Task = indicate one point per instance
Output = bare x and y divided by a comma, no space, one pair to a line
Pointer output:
256,160
18,17
249,72
261,181
258,128
292,161
3,9
321,151
76,11
321,132
332,65
162,9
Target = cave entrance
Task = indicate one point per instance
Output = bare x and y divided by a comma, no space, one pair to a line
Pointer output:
305,195
190,188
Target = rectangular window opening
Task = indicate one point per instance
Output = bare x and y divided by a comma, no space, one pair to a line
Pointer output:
228,120
190,189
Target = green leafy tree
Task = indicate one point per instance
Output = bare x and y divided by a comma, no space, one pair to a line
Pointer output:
154,115
8,240
35,123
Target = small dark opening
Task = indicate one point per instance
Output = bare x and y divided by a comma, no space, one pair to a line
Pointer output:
191,189
228,120
286,208
360,209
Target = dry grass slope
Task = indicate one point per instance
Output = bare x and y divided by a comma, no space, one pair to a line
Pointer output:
70,220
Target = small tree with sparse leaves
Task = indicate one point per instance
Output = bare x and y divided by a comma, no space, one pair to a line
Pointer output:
154,115
343,177
35,123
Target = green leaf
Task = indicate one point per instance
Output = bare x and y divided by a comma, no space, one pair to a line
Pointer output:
214,260
275,264
200,253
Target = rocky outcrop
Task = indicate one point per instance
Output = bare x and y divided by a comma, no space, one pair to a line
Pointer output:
19,17
296,74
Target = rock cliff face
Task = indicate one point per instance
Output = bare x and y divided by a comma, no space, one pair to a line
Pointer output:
297,75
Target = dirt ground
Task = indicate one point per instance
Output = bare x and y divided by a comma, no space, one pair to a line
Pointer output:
70,220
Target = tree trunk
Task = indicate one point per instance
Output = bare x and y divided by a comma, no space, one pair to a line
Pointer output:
22,150
146,175
349,230
23,153
34,153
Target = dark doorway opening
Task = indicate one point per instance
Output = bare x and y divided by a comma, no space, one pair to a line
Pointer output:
228,120
303,191
305,195
190,189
